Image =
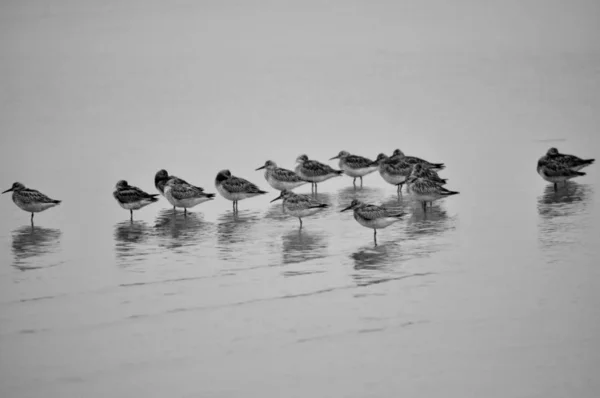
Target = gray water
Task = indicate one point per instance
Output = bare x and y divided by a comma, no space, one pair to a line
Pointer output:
494,293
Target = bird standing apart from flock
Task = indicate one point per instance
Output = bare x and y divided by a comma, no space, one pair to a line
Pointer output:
355,166
372,216
235,188
30,200
556,167
314,171
299,205
132,198
280,178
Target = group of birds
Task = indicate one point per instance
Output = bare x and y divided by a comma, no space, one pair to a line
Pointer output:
420,176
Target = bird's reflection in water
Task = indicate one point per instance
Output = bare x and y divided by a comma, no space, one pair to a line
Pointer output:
130,239
434,222
568,200
302,245
233,231
176,230
364,194
377,264
31,246
382,263
563,215
275,212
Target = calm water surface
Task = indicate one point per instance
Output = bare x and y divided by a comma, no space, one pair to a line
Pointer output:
493,293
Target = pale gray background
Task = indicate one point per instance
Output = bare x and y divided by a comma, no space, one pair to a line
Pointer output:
493,294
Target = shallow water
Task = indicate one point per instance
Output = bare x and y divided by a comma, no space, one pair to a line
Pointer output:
491,293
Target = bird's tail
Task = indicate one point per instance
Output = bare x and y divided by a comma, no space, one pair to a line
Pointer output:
56,202
438,166
587,162
209,195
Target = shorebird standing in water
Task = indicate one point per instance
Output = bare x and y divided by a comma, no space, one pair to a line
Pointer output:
375,217
393,171
132,198
555,167
398,154
235,188
280,178
426,190
299,205
355,166
30,200
314,171
181,194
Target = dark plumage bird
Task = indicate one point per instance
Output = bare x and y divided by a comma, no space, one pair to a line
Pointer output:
398,154
132,198
280,178
426,190
235,188
299,205
314,171
556,169
355,166
372,216
30,200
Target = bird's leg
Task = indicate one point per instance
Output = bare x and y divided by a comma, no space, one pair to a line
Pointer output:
315,188
361,181
555,187
375,236
32,219
233,202
131,214
424,206
300,222
354,182
185,211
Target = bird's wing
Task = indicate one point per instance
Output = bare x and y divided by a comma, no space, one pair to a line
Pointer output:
186,191
358,162
34,196
286,175
239,185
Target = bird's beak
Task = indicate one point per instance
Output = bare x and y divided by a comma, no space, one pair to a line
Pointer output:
347,208
335,157
277,198
260,168
8,190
